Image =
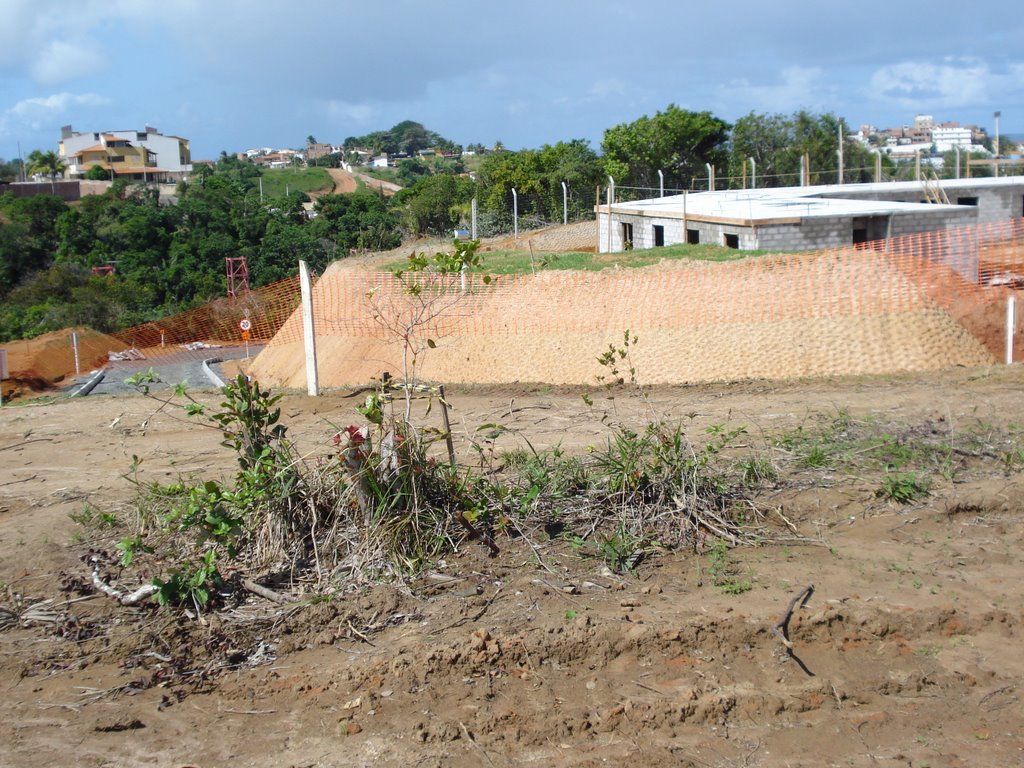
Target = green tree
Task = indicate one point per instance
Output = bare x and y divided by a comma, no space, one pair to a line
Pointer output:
10,170
97,173
29,239
578,165
284,244
47,164
358,220
537,176
501,172
677,142
777,142
64,295
768,140
434,204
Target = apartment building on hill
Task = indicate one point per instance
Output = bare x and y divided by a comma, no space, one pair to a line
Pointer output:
146,155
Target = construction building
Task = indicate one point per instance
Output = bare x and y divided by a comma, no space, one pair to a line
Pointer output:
808,218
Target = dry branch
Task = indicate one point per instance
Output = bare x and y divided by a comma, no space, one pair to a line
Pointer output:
781,628
259,589
140,594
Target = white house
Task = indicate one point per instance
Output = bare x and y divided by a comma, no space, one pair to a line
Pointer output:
172,154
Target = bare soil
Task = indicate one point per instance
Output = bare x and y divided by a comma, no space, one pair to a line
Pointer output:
347,181
906,653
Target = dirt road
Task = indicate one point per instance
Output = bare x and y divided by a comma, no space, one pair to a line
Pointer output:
346,182
905,654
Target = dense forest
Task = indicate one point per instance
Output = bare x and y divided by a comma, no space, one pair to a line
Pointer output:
171,257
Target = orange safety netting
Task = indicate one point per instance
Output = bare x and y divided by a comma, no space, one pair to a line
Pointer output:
965,275
926,300
949,269
217,323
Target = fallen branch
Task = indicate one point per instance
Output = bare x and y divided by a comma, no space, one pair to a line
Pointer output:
131,598
469,737
258,589
359,634
26,442
781,628
478,534
474,617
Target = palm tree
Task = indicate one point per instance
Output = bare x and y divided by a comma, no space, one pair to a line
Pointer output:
46,163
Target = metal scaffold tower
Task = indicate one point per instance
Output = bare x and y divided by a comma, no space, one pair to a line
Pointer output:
237,269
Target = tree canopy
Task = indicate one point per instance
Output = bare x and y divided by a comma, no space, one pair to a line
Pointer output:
677,142
171,257
405,138
777,142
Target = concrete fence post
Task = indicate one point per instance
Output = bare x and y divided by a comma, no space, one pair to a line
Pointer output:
308,330
3,372
1010,322
515,215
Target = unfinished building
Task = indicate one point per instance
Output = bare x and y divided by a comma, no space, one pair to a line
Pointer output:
808,218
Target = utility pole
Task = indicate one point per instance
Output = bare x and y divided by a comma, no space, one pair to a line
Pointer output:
515,216
997,114
840,151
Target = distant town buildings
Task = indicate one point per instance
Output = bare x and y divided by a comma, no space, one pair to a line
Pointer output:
268,157
316,150
925,136
146,155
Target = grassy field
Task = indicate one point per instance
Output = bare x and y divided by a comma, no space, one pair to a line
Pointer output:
508,262
276,181
384,174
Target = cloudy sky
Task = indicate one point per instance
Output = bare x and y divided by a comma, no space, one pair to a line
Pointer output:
229,74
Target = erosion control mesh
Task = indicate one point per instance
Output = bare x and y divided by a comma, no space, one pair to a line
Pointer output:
915,303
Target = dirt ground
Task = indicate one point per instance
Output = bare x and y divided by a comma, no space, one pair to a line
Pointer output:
346,181
906,653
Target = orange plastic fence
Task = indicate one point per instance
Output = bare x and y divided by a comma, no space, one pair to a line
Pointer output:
219,323
966,272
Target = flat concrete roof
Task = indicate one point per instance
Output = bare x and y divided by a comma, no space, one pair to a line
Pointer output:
791,204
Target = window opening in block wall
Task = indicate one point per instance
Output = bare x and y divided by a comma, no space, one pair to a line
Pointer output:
967,201
659,235
693,237
732,240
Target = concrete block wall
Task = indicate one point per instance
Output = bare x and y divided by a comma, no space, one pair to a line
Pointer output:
994,203
643,232
933,222
999,204
812,233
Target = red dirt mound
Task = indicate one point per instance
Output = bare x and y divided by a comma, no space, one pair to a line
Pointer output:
39,363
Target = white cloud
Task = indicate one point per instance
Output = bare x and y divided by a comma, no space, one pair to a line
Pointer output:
914,84
607,88
799,87
41,112
348,112
61,61
517,108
